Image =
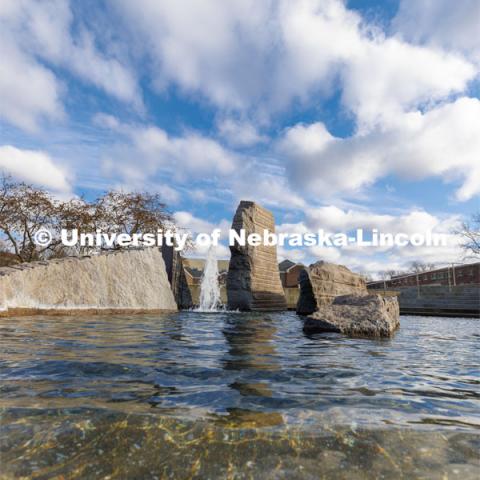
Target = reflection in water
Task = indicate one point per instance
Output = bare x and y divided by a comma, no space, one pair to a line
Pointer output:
191,395
251,343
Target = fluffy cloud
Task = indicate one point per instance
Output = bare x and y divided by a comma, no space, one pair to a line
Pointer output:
444,141
186,156
28,91
264,55
32,32
367,259
239,134
389,77
203,46
180,158
268,186
334,219
34,166
452,26
192,157
196,225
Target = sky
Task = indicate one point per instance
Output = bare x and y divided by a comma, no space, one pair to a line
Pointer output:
333,114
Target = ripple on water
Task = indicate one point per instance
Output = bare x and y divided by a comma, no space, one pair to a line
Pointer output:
197,386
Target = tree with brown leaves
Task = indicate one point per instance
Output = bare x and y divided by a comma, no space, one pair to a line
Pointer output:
25,209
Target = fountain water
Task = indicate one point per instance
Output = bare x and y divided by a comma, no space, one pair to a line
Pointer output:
209,287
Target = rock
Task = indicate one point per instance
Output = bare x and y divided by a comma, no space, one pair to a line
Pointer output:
358,316
177,278
126,281
253,281
321,282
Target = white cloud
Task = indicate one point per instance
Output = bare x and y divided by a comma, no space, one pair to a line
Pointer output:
196,225
263,55
203,46
251,60
443,23
239,134
444,141
168,194
185,156
143,151
29,92
33,31
334,219
374,259
389,77
293,254
49,27
267,184
34,166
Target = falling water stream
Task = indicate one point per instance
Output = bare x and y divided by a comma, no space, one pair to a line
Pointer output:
209,287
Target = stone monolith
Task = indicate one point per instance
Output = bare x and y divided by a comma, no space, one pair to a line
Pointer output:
253,281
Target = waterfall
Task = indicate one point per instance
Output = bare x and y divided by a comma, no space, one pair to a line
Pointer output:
209,287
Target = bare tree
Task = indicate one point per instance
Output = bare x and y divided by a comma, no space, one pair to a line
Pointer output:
133,213
125,212
470,236
389,274
419,267
25,209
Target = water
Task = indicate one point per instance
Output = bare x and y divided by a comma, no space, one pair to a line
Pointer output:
209,287
232,395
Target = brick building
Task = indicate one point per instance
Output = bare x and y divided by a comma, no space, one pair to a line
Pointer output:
453,275
289,272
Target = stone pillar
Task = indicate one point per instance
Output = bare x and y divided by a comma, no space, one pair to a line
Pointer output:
253,281
176,277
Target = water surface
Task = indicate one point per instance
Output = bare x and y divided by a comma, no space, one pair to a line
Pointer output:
230,395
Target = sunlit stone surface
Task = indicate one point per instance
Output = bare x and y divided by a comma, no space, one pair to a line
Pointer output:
358,316
253,281
322,281
124,280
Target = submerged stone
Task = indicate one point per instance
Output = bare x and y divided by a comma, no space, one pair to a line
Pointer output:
363,316
253,281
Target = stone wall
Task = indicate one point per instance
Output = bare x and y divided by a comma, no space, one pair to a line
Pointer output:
321,282
133,280
454,301
253,281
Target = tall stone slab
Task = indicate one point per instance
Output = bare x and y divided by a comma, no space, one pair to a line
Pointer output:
253,281
321,282
176,276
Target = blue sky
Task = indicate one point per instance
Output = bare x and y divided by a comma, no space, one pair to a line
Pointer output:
333,114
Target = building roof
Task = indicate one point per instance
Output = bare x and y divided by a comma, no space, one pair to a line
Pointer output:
458,266
286,265
194,272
